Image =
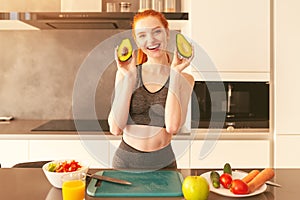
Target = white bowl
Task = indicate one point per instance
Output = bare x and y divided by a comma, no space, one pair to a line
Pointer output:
55,177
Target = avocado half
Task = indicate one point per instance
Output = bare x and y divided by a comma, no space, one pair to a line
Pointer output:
125,50
184,47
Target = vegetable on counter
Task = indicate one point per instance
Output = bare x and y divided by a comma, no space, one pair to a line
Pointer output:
215,179
239,187
225,180
227,169
64,166
250,176
260,179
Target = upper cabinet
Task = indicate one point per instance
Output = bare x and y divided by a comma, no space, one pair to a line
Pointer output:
235,34
30,6
81,5
51,6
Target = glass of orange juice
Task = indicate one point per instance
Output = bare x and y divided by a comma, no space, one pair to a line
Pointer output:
73,187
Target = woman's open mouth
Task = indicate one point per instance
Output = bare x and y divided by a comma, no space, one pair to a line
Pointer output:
153,47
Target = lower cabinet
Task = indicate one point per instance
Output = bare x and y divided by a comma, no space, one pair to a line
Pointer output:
99,153
180,148
13,152
95,152
287,151
239,153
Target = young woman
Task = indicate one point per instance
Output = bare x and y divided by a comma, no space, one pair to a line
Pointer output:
150,98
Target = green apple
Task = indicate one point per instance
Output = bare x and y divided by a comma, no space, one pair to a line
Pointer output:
195,188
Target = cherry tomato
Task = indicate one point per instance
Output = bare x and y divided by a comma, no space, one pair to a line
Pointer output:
225,180
239,187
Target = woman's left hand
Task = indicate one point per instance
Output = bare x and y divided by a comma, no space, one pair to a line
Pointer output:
180,63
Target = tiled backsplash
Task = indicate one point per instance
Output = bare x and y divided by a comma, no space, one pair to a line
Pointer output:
38,70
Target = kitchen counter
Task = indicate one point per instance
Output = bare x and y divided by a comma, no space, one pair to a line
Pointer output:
22,129
31,184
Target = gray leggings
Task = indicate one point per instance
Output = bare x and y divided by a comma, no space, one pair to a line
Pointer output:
127,157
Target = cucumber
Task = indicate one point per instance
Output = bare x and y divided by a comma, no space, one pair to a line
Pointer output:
215,179
227,169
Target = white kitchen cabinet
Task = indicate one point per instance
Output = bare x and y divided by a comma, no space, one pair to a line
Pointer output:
287,67
113,146
287,95
81,5
235,34
239,153
181,150
287,151
30,6
70,149
13,152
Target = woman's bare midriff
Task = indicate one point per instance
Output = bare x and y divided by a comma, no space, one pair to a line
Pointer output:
146,138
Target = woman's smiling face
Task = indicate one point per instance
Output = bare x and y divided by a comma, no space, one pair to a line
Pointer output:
151,36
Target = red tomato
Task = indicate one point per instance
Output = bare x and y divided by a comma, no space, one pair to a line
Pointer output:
239,187
68,167
225,180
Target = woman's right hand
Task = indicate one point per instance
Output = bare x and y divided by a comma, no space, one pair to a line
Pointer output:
127,67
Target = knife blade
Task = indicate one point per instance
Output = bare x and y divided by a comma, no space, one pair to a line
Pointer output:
267,182
273,184
109,179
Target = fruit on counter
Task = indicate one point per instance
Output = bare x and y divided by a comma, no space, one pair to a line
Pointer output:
184,47
225,180
239,187
215,179
227,169
260,179
195,188
250,176
124,51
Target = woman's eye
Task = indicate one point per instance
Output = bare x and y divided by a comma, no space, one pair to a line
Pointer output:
142,35
157,31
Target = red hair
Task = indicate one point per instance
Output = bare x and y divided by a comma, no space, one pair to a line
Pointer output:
141,56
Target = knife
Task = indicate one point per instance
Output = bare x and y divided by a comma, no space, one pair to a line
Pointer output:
267,182
109,179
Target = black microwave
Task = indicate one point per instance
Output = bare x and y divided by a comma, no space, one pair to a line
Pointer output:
230,104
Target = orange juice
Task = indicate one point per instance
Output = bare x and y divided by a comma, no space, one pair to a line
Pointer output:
73,190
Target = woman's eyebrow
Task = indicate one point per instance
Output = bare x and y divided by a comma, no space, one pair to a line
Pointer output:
144,30
157,27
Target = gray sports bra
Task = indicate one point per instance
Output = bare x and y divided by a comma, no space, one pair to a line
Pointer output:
147,108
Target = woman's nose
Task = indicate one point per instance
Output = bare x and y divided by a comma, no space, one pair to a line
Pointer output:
150,38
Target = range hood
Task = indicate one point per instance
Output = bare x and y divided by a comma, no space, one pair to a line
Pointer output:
86,20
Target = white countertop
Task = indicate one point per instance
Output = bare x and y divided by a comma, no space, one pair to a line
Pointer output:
21,129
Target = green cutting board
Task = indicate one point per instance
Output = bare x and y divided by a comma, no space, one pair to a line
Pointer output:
161,183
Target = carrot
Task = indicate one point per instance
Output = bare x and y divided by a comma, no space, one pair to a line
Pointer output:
250,176
260,179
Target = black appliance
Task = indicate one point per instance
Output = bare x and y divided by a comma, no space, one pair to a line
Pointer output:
74,125
234,104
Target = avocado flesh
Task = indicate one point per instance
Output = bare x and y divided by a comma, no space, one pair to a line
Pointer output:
183,46
125,50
